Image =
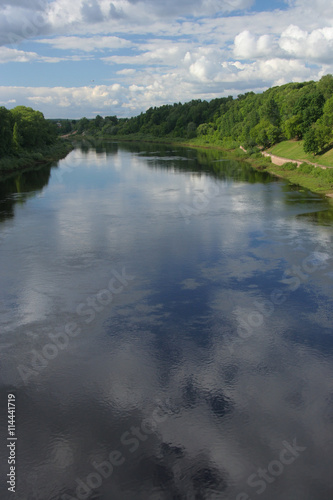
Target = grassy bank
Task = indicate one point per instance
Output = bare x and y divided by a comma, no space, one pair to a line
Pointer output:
27,159
313,178
294,151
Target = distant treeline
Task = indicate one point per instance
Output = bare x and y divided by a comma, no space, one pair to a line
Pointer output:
291,111
24,129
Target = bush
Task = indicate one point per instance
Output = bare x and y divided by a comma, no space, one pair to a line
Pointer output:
289,166
256,155
318,172
229,143
305,168
328,174
253,150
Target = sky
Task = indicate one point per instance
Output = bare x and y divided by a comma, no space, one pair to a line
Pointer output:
78,58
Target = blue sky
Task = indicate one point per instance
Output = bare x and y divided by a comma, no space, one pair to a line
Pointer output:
88,57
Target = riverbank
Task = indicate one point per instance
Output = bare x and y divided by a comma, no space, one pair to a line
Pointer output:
294,150
316,179
26,159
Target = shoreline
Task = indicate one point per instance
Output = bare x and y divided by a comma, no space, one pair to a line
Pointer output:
11,165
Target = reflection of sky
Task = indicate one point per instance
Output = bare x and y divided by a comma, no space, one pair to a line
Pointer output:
172,334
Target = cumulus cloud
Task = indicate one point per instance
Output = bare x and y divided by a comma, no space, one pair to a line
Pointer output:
316,45
161,51
248,46
198,76
60,15
78,99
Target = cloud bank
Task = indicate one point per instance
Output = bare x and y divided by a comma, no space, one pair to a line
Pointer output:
155,52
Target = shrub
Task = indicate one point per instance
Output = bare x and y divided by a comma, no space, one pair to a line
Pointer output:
328,174
289,166
318,172
256,155
305,168
253,150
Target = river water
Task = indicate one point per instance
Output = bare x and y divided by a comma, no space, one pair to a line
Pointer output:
166,329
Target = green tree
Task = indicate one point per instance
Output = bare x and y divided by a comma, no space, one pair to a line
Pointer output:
292,128
325,86
34,130
311,143
327,117
273,134
6,126
270,111
259,133
191,130
17,139
99,121
82,125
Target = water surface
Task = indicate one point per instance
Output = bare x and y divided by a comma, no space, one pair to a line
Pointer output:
166,327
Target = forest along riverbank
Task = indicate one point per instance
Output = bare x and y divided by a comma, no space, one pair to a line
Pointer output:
28,140
28,159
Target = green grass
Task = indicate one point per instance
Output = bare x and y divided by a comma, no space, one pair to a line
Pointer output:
318,180
294,151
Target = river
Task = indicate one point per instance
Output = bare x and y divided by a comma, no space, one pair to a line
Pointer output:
166,330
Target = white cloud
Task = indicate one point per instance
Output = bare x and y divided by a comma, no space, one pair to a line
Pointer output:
86,44
14,55
20,56
8,102
170,56
127,71
23,20
201,74
193,7
41,100
162,52
316,45
248,46
275,70
204,63
77,99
